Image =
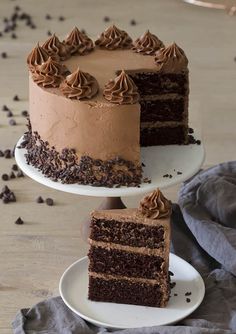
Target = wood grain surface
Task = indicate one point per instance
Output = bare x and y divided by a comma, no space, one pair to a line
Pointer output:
33,256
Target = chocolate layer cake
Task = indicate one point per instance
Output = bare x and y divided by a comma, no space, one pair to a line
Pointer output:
129,254
92,104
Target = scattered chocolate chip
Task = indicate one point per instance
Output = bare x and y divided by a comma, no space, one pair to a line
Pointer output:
39,200
33,26
16,98
5,19
7,154
13,151
12,175
133,22
24,113
9,113
188,300
12,122
83,31
61,18
1,154
19,221
49,33
49,201
48,17
17,8
172,285
170,176
175,294
171,273
106,19
188,293
234,58
143,165
179,173
13,36
5,177
1,34
20,174
198,142
190,130
4,55
166,175
5,108
14,167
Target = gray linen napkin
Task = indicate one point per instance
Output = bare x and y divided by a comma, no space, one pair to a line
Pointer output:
204,234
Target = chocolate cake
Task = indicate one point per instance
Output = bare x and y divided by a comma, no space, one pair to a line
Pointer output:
92,104
129,253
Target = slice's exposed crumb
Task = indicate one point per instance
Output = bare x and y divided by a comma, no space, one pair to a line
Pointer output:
49,201
19,221
188,300
39,200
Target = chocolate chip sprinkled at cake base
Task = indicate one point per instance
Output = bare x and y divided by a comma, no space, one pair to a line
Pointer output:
49,201
39,200
4,55
16,98
12,122
19,221
188,300
12,175
179,173
190,130
166,175
5,108
170,176
14,167
5,177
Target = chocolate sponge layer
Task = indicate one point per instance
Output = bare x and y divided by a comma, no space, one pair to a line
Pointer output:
122,263
127,233
163,135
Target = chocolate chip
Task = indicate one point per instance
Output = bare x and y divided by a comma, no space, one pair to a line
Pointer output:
61,18
106,19
17,8
175,294
7,154
166,175
1,34
133,22
48,17
13,36
170,273
143,165
39,200
12,122
33,26
24,113
5,177
170,176
5,108
16,98
83,31
49,33
188,293
9,113
19,221
20,174
190,130
4,55
188,300
1,154
172,285
14,167
198,142
12,175
49,201
179,173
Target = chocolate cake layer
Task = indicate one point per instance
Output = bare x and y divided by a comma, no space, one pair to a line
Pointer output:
123,291
163,110
122,263
154,83
127,233
66,167
165,135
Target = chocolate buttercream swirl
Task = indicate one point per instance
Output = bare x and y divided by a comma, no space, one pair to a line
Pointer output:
53,46
121,90
36,57
155,205
113,38
49,74
79,85
147,44
79,42
171,59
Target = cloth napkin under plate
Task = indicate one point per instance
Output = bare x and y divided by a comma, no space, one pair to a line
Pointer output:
204,234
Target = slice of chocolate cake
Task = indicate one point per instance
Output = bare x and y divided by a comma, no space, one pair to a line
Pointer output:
129,253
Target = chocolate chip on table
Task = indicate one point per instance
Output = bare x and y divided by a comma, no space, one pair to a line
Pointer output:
12,175
188,300
9,113
1,154
49,201
20,174
16,98
5,177
33,26
39,200
7,154
17,8
133,22
13,36
175,294
12,122
19,221
83,31
49,33
165,175
1,34
4,55
24,113
14,167
48,17
106,19
61,18
5,108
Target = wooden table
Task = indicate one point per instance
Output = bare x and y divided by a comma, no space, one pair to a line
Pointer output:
34,255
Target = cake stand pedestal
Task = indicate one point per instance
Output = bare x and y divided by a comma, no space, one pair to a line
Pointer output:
165,166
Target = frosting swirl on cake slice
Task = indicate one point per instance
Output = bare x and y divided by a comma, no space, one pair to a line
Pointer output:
147,44
79,85
155,205
78,42
54,47
113,38
171,59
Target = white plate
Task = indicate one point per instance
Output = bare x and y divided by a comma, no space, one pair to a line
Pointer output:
158,160
74,290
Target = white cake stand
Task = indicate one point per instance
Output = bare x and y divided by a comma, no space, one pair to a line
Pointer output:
179,162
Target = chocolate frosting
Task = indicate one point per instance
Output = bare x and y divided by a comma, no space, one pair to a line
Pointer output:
49,74
53,46
121,90
79,85
147,44
171,59
36,57
113,38
79,42
155,205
